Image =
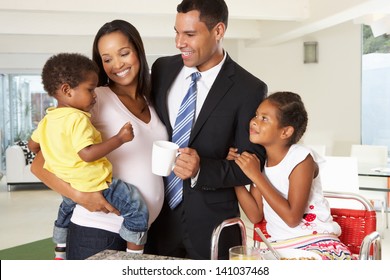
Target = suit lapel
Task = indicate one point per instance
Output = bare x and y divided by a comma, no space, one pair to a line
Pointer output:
221,85
174,67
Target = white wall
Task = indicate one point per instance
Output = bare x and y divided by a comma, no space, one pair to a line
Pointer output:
330,89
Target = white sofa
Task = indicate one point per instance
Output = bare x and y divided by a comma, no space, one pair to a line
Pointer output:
18,172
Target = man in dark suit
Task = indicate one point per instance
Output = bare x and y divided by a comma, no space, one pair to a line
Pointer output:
227,98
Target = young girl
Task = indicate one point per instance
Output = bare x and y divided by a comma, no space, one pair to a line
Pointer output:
288,193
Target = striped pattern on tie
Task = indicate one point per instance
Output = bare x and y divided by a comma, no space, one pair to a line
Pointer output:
181,136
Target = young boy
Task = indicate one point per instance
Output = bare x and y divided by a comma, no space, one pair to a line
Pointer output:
74,151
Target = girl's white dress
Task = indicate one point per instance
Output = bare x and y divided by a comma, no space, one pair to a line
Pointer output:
317,231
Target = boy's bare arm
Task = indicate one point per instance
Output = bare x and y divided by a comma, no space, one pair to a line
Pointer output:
96,151
33,146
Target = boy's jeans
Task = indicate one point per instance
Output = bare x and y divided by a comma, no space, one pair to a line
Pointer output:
124,197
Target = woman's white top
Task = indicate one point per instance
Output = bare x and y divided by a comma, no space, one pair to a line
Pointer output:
132,162
317,218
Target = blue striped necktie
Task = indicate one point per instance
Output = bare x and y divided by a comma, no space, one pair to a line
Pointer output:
181,136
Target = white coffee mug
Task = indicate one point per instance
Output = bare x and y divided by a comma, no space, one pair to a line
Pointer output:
164,155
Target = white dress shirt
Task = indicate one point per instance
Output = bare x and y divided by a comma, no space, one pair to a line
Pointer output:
180,87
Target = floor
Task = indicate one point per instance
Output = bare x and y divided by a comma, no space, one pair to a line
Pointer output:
27,214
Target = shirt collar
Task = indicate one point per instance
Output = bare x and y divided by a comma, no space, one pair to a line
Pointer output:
189,70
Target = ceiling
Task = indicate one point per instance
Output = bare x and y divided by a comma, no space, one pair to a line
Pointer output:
41,27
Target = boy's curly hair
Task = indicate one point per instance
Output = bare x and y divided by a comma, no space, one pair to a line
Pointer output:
66,68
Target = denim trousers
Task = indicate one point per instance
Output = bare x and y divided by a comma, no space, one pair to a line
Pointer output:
124,197
84,242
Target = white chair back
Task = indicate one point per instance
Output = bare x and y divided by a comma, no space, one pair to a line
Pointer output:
370,154
340,174
375,156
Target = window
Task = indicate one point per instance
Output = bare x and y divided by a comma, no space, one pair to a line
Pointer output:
23,103
375,89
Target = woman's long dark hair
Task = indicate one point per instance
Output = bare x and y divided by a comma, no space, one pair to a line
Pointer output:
127,29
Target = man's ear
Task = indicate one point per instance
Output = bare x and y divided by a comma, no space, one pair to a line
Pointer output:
220,29
287,132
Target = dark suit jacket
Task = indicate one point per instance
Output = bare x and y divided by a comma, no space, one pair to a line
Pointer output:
223,122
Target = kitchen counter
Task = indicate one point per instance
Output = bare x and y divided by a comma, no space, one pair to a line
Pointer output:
122,255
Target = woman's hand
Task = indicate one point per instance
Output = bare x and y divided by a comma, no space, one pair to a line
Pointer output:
94,202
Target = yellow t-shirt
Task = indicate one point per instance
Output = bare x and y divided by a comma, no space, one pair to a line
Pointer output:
61,134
